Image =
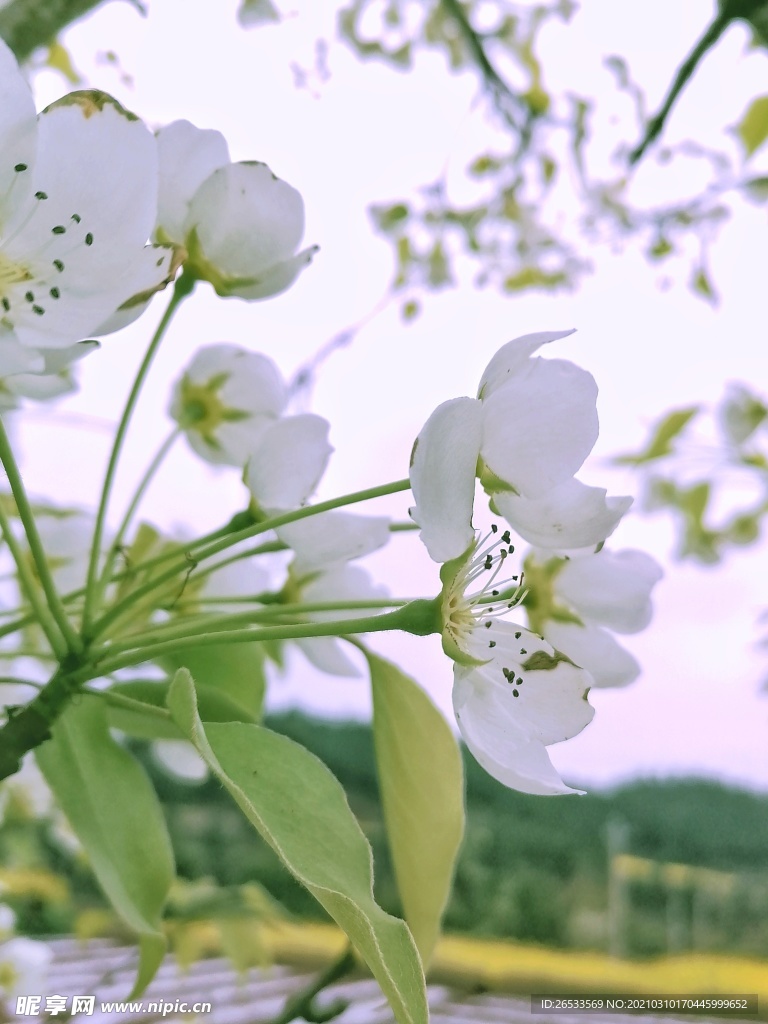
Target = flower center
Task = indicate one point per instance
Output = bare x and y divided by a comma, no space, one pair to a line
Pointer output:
202,409
11,273
464,613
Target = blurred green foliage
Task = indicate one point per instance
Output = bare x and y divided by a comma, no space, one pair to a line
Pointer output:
531,869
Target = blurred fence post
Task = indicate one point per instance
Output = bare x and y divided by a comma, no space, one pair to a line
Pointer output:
617,838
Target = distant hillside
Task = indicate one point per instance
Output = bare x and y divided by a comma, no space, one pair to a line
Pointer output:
531,868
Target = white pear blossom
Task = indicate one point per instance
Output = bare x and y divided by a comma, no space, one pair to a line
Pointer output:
24,966
513,693
225,398
231,403
78,200
240,225
529,430
581,601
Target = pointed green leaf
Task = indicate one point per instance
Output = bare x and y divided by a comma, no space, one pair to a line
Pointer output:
301,811
115,813
660,444
235,670
422,792
142,696
753,127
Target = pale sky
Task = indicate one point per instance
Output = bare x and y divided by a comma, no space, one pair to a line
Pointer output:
375,135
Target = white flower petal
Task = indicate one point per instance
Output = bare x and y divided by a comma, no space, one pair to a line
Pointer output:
330,538
570,516
153,269
339,584
275,279
96,179
443,469
538,428
513,358
288,461
326,653
595,650
510,708
55,377
16,358
18,135
246,220
188,155
612,588
504,744
99,163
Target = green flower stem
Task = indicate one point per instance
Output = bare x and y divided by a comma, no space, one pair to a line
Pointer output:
230,539
29,727
191,625
144,483
419,617
18,681
95,587
119,700
29,585
260,549
275,608
53,619
26,652
302,1006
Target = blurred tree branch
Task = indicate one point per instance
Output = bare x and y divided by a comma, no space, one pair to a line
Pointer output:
754,12
26,25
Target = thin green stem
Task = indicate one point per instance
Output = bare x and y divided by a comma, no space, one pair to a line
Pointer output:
40,612
94,586
18,681
190,625
24,652
53,618
188,562
119,700
103,663
141,490
302,1006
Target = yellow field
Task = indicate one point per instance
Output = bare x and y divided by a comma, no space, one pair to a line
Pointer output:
508,967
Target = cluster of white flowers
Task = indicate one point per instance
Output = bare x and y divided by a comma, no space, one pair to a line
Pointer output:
97,215
84,186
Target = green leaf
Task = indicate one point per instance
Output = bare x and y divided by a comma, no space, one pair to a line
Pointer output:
59,59
701,284
115,813
214,707
753,127
300,809
756,189
422,792
235,670
660,444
